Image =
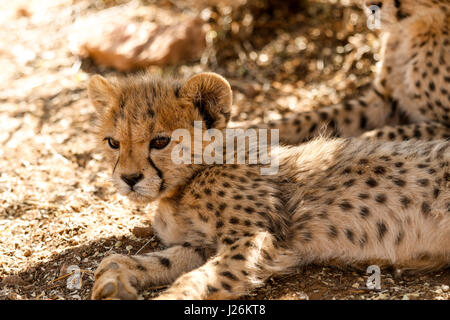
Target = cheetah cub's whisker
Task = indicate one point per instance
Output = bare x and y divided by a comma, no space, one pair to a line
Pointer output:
228,228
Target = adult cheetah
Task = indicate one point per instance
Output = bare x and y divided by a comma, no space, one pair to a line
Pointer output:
410,96
228,227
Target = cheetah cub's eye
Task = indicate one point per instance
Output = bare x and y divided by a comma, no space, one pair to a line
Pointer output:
159,142
113,144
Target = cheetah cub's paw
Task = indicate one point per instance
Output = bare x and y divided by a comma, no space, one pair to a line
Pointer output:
114,279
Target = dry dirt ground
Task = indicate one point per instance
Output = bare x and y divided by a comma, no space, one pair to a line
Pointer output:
57,206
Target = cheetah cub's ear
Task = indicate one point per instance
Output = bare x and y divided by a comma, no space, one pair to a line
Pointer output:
211,94
101,93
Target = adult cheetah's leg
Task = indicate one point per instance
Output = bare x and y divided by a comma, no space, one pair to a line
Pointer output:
238,268
349,119
120,277
423,131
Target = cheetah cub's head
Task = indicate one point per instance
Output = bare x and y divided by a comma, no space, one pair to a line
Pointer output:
136,118
393,12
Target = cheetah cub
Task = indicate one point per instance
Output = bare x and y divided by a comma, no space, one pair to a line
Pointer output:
227,227
410,96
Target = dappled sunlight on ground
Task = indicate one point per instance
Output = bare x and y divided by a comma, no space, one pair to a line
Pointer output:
57,205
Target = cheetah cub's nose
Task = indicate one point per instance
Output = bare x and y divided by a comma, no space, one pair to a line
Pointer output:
132,179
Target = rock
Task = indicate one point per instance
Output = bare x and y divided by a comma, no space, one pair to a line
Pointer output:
142,232
381,296
13,280
27,253
65,269
23,11
445,287
132,45
14,296
249,89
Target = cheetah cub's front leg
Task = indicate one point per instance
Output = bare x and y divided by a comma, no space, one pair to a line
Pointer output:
234,271
120,277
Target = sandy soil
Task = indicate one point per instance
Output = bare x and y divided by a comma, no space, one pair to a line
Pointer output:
57,205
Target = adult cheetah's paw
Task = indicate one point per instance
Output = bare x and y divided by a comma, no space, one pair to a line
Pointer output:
114,280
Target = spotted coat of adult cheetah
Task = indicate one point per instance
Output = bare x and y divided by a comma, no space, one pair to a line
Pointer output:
228,227
410,96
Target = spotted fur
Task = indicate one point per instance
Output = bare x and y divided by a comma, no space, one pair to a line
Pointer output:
410,96
228,228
